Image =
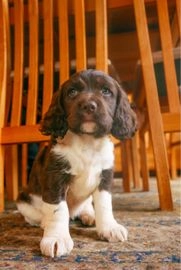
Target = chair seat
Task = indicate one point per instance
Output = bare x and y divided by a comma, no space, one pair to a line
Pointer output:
22,134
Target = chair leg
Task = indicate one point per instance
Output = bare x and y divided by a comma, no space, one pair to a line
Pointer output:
143,162
135,161
2,154
173,163
153,106
24,164
11,171
162,170
126,164
174,143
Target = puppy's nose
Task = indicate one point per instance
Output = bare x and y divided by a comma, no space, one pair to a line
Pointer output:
89,107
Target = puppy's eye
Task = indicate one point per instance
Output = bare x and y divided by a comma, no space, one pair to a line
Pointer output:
106,91
72,92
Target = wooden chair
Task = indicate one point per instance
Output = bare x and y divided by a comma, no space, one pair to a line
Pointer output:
25,21
174,154
159,120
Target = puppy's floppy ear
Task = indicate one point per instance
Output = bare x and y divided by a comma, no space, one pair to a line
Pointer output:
54,121
125,122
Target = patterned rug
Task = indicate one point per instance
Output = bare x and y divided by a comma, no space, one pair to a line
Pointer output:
154,237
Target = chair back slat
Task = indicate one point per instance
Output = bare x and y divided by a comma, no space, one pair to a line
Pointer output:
32,98
63,40
101,35
168,60
80,35
178,10
4,63
48,54
16,111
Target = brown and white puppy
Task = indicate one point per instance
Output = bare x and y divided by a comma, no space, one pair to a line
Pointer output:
72,176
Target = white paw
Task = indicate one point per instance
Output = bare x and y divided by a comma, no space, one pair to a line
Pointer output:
32,222
56,247
113,232
87,219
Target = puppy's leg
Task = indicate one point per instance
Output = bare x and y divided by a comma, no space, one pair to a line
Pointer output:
87,215
85,212
29,206
107,226
56,239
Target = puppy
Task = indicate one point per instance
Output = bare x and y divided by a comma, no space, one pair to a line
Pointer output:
72,176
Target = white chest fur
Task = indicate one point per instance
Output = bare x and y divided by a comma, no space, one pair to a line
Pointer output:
87,157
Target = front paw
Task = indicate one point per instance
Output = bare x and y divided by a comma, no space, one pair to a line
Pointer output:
87,220
113,232
56,247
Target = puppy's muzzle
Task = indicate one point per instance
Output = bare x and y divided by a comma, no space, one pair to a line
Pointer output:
87,111
88,107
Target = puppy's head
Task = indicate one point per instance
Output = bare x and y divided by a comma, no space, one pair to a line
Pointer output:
90,102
